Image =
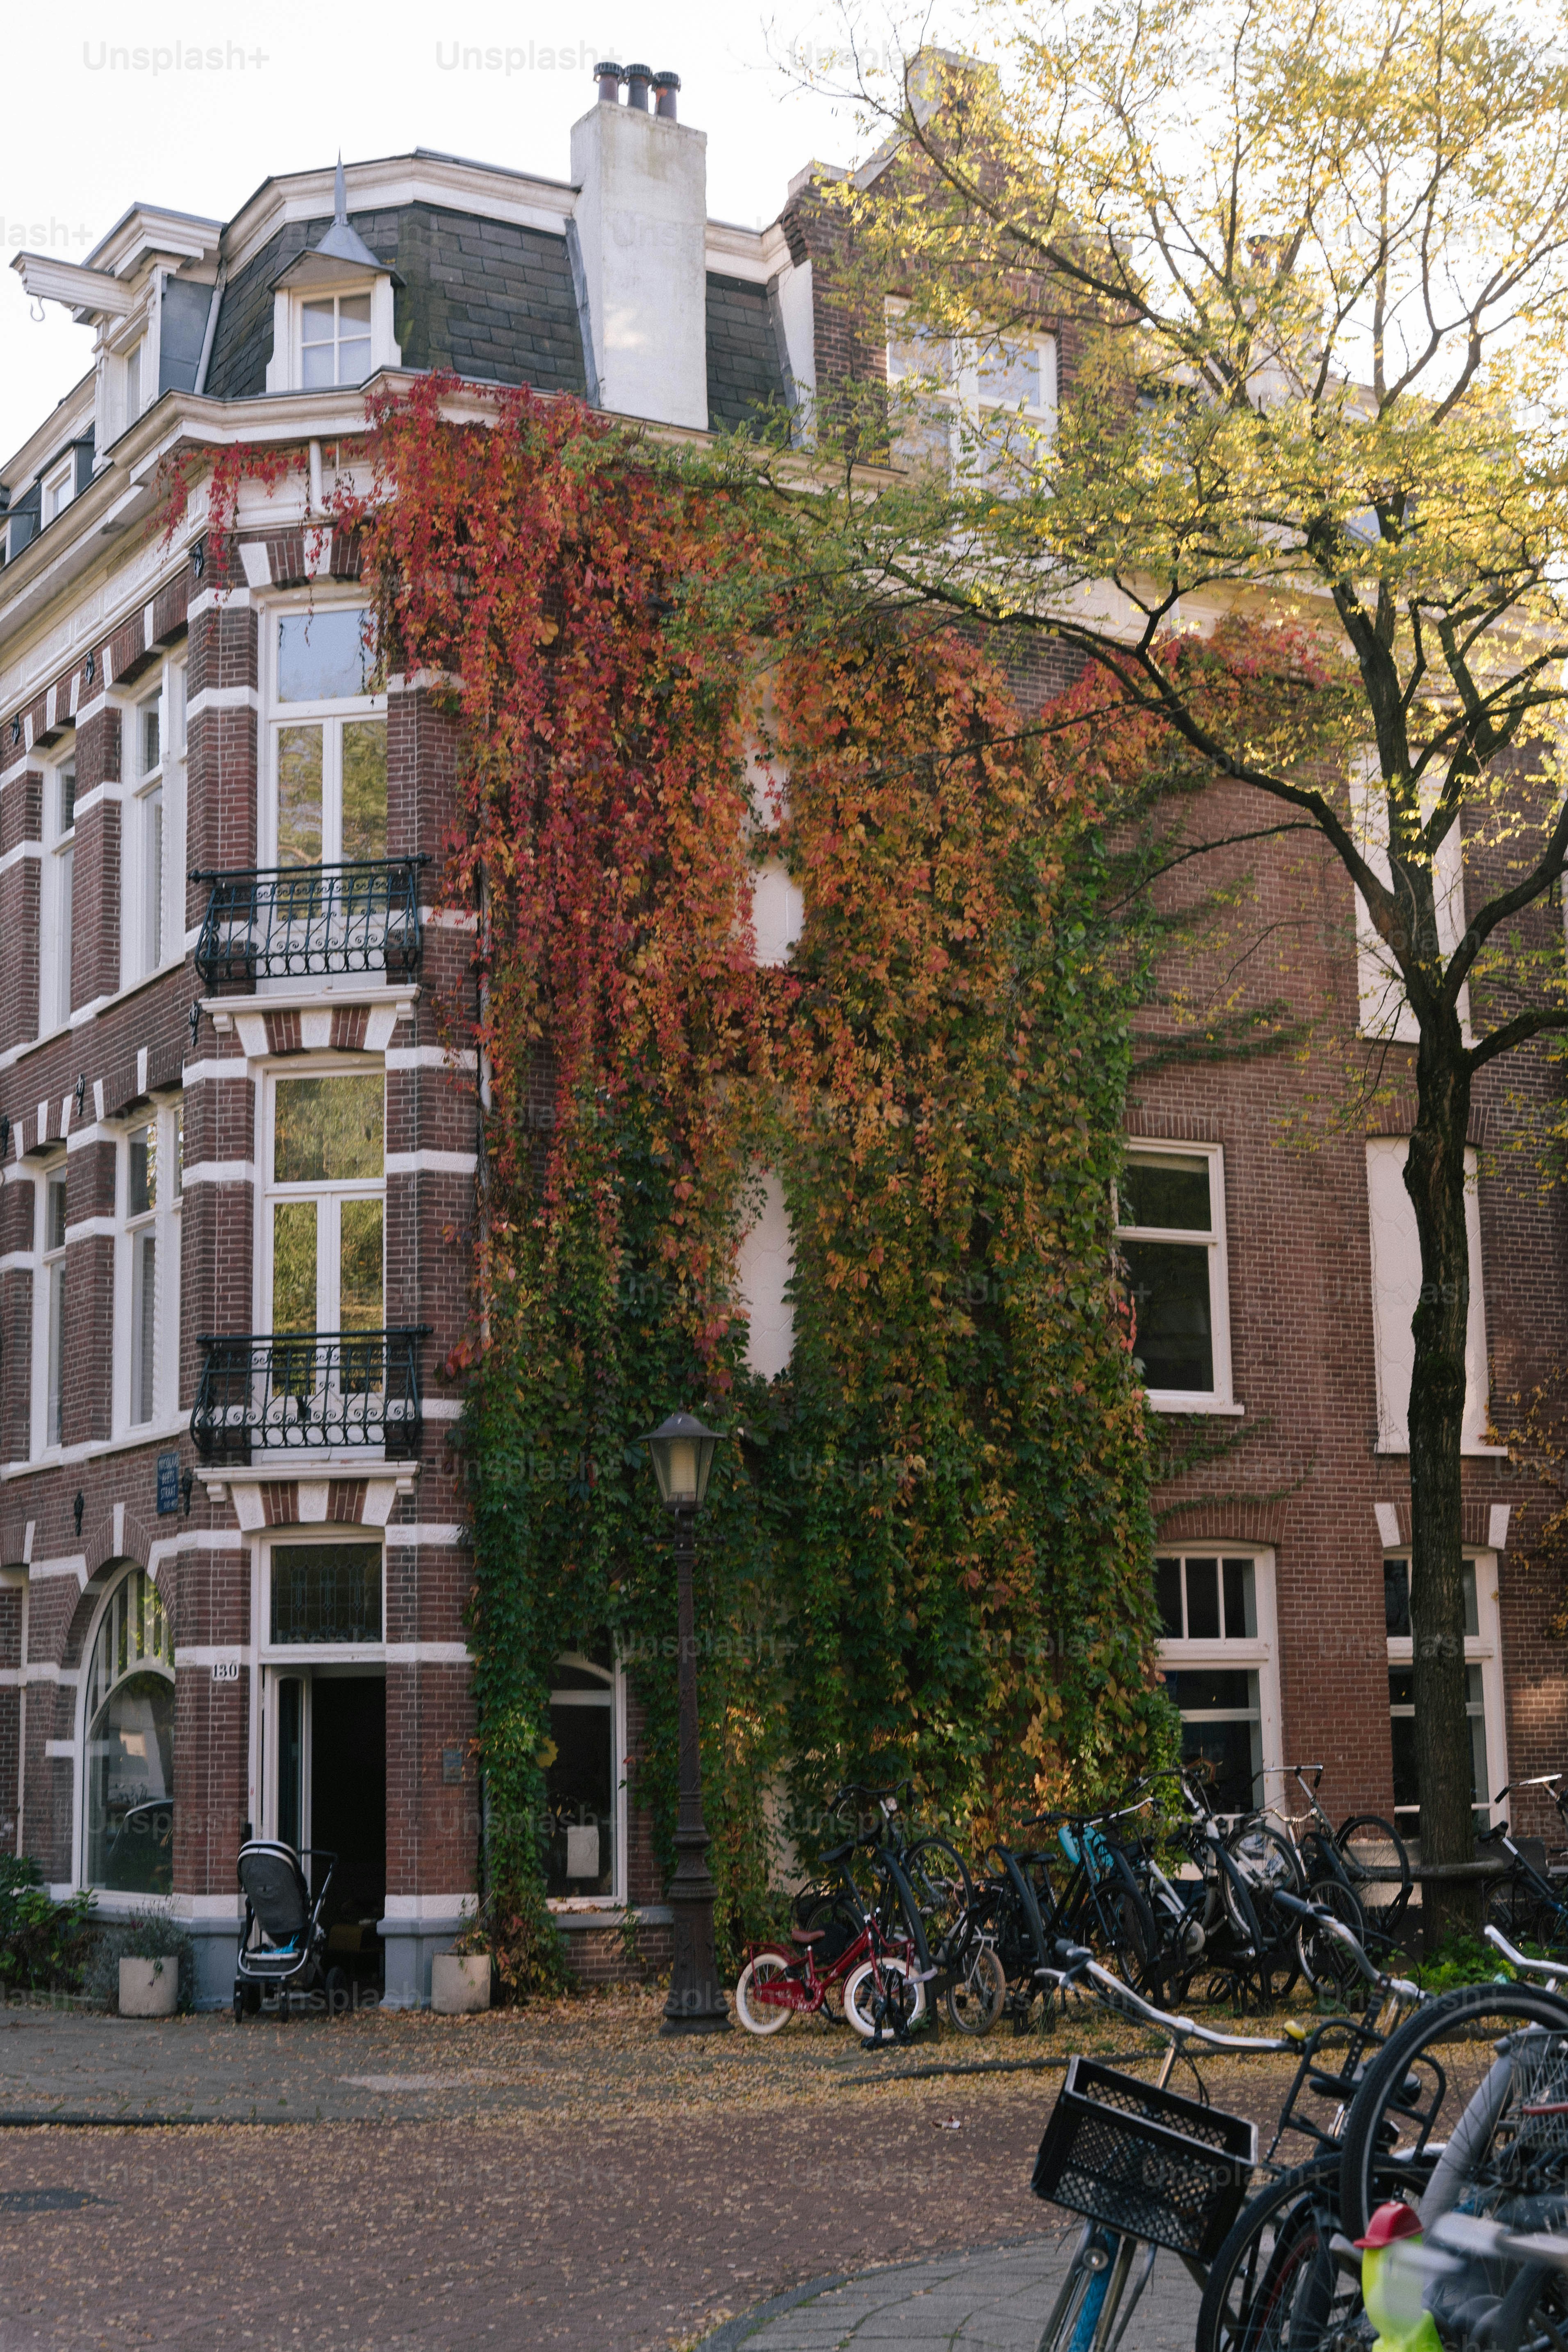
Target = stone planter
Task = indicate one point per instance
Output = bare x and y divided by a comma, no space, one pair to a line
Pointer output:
148,1987
459,1987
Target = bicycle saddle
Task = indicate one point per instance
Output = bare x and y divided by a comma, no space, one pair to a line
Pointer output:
807,1935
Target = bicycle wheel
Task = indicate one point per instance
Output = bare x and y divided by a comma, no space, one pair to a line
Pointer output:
1487,2141
761,2016
1265,1861
945,1896
1367,1843
974,1999
1514,1905
1327,1966
863,1995
1273,2286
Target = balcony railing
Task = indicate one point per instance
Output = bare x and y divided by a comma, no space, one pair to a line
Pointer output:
308,1390
296,922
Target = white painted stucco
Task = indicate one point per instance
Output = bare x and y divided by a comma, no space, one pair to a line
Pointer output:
1395,1287
778,911
641,217
765,1265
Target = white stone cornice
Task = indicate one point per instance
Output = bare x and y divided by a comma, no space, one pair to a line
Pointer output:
222,698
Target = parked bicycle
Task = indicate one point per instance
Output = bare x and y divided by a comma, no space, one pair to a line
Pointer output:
1346,1871
1145,2165
1526,1905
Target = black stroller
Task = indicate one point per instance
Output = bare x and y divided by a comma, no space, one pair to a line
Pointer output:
283,1939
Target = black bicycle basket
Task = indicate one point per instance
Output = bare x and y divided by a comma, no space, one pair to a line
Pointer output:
1145,2161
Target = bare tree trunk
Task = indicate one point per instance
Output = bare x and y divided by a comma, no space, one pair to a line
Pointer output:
1435,1179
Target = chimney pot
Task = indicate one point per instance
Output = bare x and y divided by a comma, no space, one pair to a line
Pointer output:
637,81
665,85
610,80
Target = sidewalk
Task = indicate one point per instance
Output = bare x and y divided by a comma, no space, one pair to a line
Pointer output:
991,2299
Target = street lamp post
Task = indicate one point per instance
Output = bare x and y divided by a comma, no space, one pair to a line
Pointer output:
682,1452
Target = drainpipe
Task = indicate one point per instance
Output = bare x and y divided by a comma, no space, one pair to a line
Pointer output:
208,340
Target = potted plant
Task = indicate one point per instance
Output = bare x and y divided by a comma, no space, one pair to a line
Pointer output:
151,1958
460,1978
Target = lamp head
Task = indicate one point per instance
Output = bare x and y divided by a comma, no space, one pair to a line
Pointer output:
682,1452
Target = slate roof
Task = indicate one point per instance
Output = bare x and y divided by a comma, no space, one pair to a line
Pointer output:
743,371
486,298
494,302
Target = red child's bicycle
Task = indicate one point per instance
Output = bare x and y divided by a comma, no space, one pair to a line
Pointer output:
843,1947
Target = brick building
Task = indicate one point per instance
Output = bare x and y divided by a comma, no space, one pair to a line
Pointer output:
238,1161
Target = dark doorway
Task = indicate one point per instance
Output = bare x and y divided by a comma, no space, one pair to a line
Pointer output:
348,1812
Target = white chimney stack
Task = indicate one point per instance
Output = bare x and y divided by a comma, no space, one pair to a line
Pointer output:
641,222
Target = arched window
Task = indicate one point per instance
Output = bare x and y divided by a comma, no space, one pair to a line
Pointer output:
130,1747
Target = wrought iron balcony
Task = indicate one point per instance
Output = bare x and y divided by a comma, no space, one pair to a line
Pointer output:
297,922
293,1391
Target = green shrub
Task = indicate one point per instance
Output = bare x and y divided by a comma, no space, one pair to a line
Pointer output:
43,1945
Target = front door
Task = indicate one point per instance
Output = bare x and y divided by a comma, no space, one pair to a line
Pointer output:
328,1786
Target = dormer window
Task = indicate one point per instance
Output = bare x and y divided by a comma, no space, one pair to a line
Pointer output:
334,340
332,319
58,488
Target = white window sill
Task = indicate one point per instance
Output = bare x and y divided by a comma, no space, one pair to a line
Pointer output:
55,1456
1468,1453
1174,1400
572,1912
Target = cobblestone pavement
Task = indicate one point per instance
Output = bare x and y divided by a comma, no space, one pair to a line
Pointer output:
987,2299
559,2178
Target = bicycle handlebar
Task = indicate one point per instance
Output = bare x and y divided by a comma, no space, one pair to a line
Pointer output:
1496,1938
1469,2234
1077,1961
1324,1917
1122,1996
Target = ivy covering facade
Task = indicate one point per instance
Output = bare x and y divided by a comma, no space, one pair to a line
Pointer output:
926,1546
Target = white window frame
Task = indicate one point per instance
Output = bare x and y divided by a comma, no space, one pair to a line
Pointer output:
56,896
617,1897
50,1263
332,1192
1484,1649
322,713
1383,1009
281,1656
277,1662
962,392
163,1224
155,793
285,368
1258,1655
1220,1399
58,489
111,1902
1394,1250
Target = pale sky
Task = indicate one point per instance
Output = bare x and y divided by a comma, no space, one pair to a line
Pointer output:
88,135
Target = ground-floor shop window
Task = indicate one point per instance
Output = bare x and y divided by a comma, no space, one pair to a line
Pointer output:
1216,1650
1483,1696
582,1780
128,1748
